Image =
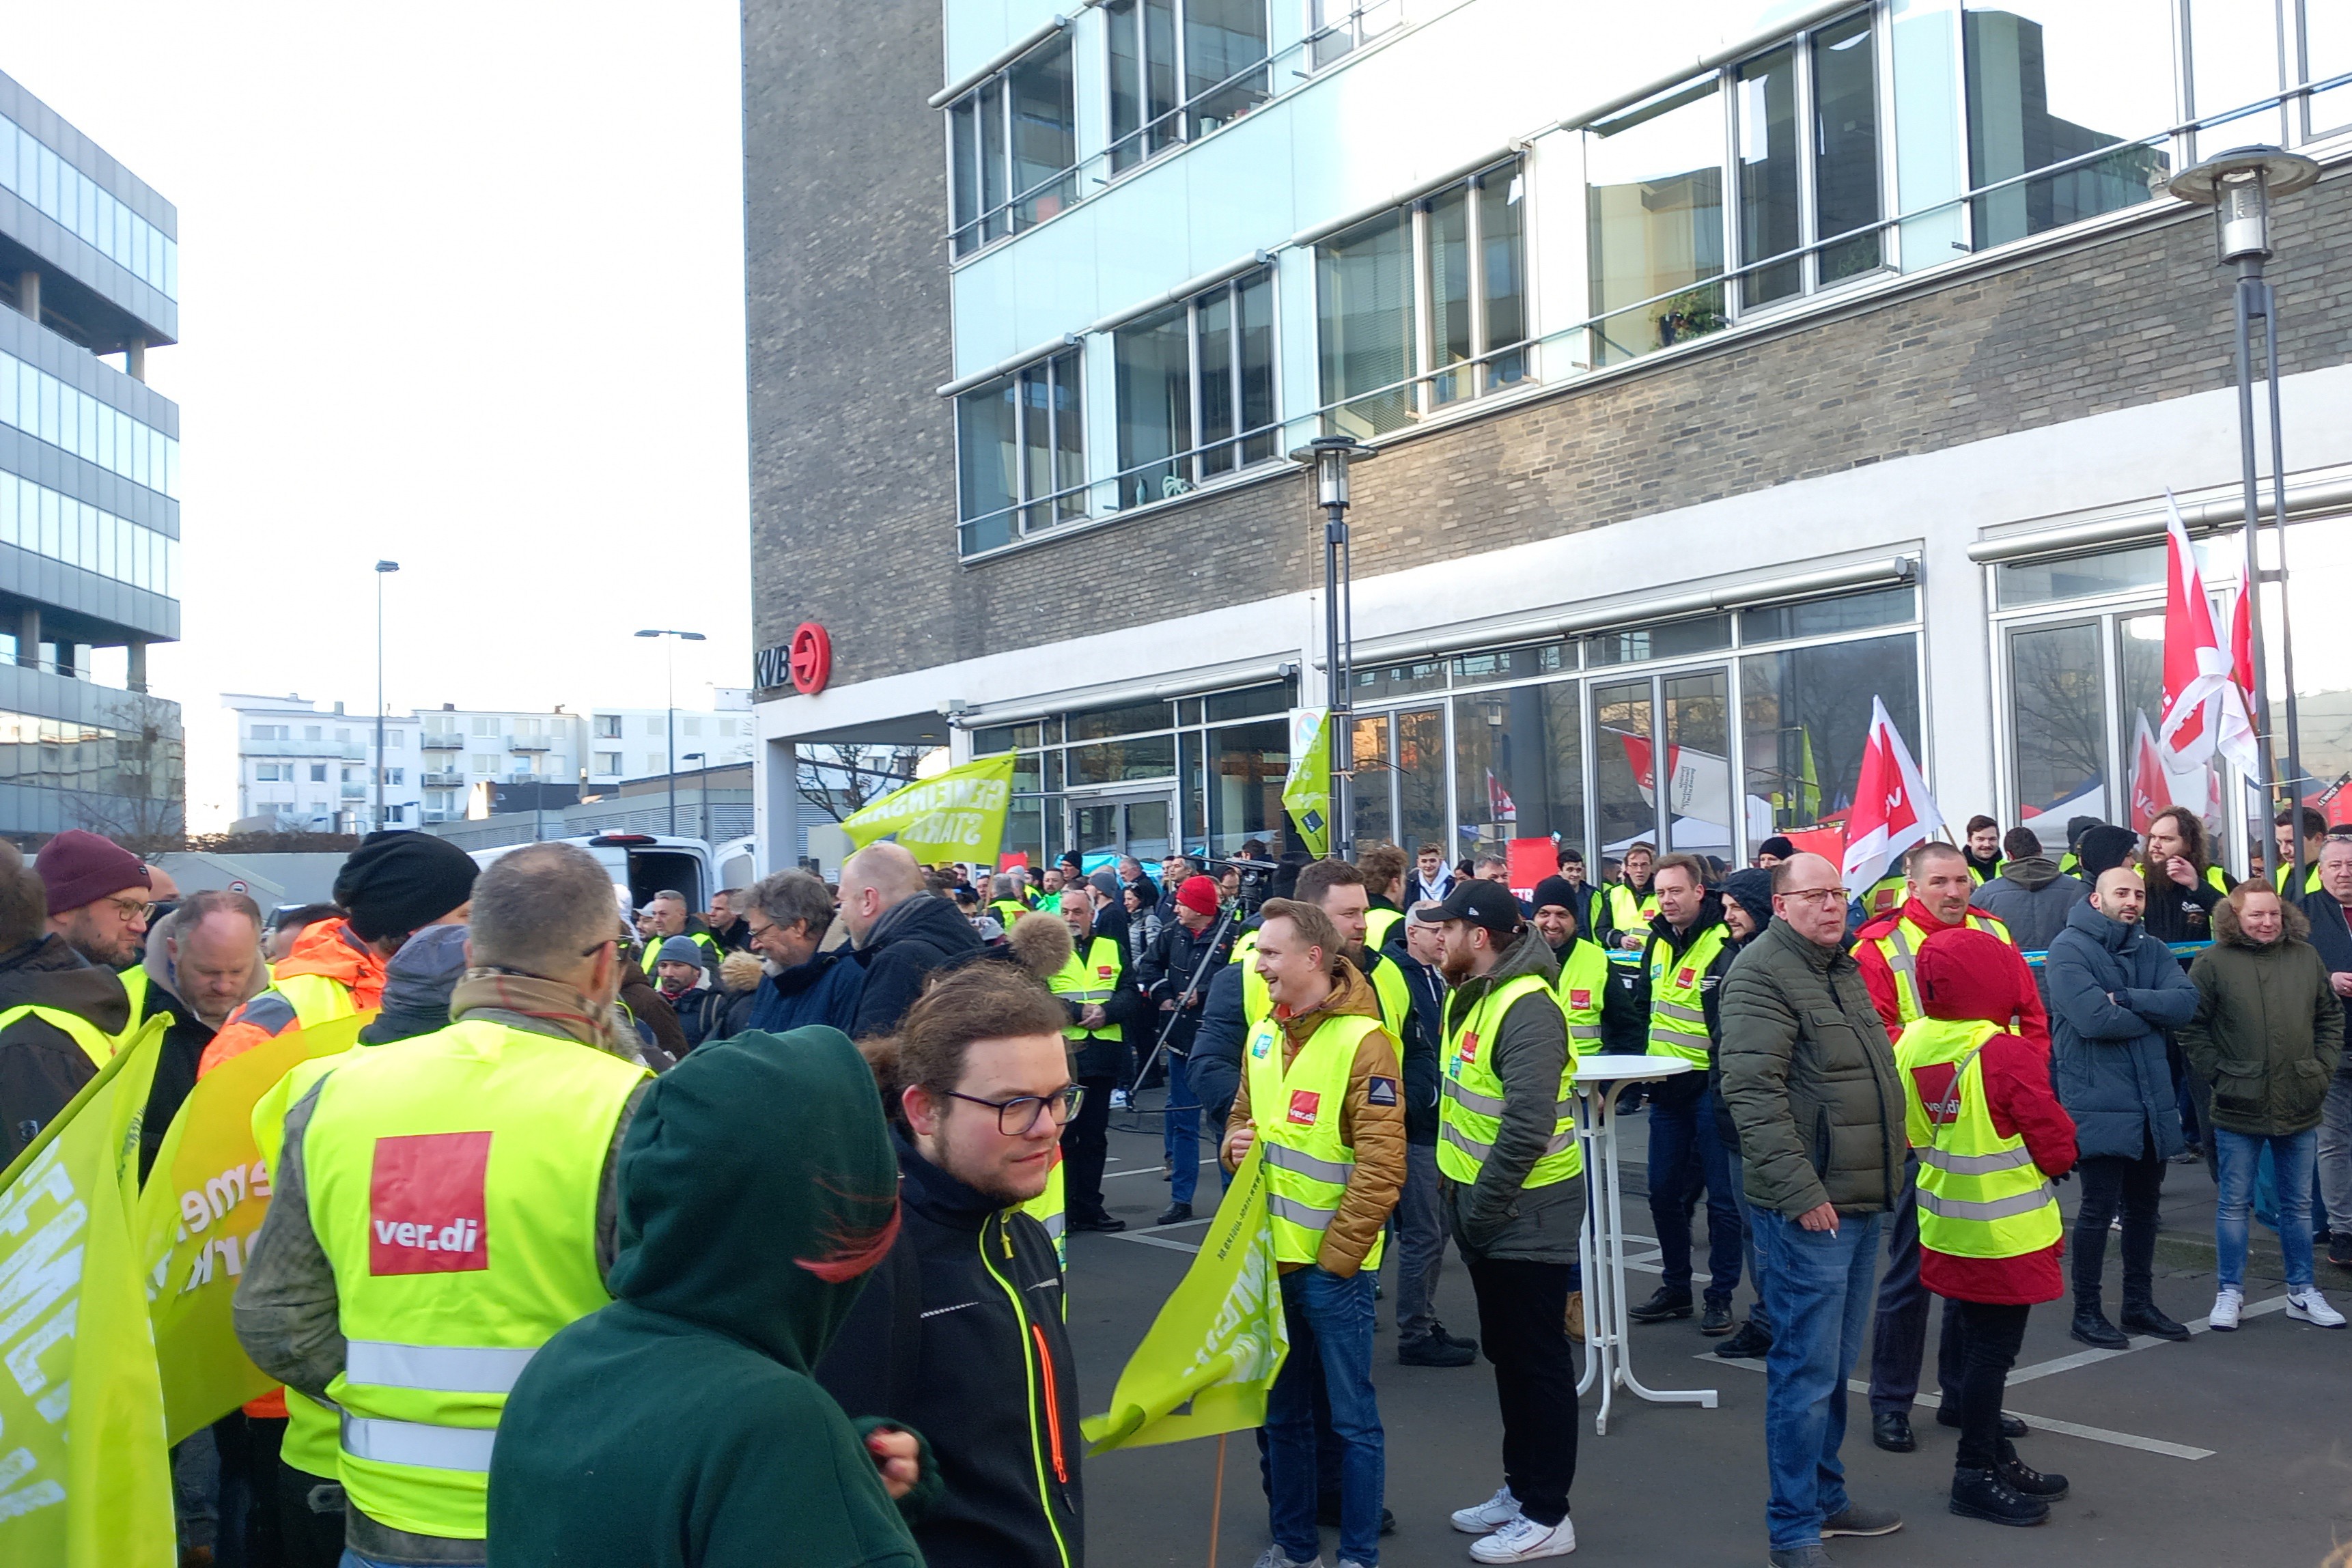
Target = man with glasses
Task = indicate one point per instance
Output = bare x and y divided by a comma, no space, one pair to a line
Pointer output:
1099,1004
786,915
79,1006
957,1333
1809,1076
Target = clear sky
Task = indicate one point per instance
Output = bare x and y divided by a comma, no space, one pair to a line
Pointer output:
460,286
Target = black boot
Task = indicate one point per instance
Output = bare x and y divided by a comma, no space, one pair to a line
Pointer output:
1986,1495
2091,1327
1751,1344
2146,1318
1665,1305
2026,1481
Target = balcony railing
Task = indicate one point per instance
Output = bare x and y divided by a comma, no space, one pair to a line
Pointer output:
528,743
340,751
442,743
443,780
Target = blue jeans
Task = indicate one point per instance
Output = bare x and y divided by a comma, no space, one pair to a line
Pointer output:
1762,1316
1685,1149
1817,1284
1330,1323
1179,1131
2238,1153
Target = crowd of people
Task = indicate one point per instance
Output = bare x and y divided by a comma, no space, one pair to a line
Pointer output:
606,1243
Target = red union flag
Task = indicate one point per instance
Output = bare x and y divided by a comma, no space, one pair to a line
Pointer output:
1892,808
2205,694
2151,793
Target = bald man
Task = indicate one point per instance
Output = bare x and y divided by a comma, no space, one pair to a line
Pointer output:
904,934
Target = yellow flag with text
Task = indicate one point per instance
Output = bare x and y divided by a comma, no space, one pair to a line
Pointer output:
1211,1355
85,1472
955,815
1306,790
205,1199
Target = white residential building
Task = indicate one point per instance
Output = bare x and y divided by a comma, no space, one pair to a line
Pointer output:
301,770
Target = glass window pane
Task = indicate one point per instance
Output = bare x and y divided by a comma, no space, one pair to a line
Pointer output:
1771,221
963,161
1622,738
1823,617
1698,765
1250,702
1100,722
1656,216
1421,773
1513,663
1044,134
1371,816
1253,298
1804,717
2053,80
1125,84
1247,763
1223,39
1446,231
2327,52
1215,338
1069,438
996,222
1845,147
1518,765
1153,366
2233,59
2058,705
1037,444
1163,129
1364,308
1702,635
1109,762
2139,685
1334,15
985,471
2021,583
1374,682
1502,272
2316,558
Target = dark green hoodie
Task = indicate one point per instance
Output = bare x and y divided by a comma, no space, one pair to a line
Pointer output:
677,1427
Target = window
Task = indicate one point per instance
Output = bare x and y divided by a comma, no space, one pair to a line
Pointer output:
1341,26
343,735
692,727
608,762
726,728
1656,199
1518,765
1792,194
271,773
392,812
1196,389
312,733
1020,460
655,726
1210,52
395,740
270,732
2327,52
486,728
318,773
1431,296
608,726
351,775
2050,80
1805,719
1013,148
394,775
486,764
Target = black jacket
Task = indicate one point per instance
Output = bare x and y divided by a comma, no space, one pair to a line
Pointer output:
2331,933
701,1013
1424,1042
41,1068
912,941
1215,1070
945,1338
1093,1057
1167,969
184,1040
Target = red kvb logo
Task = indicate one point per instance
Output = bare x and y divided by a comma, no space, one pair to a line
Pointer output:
1304,1102
425,1204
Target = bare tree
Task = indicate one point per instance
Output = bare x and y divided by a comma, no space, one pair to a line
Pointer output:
842,780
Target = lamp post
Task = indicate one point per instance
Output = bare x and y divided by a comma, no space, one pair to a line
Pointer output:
702,788
670,695
2238,185
1327,457
383,568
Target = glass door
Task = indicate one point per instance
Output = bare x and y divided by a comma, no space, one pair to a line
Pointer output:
1420,770
1662,763
1104,828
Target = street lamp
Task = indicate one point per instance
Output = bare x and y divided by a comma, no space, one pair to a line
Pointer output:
702,784
383,568
1327,458
670,666
2238,185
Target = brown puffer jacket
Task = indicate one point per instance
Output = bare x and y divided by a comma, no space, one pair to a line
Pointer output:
2269,1032
1375,1130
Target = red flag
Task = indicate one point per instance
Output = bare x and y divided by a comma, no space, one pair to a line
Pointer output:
2205,708
2241,649
2150,793
1892,808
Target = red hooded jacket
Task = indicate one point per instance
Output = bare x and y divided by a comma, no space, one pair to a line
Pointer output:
1973,974
2033,1018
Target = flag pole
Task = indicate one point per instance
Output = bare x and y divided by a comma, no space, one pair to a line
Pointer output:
1217,1501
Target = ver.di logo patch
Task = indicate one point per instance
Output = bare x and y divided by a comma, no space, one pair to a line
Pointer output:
1303,1103
425,1203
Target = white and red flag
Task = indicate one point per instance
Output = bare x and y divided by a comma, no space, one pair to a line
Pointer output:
1892,808
2205,694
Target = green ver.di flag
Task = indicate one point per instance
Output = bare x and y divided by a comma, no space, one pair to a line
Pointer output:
1307,792
958,815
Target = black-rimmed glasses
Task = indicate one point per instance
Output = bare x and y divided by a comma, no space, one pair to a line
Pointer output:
1016,1117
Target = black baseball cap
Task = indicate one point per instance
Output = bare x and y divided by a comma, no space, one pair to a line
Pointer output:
1482,904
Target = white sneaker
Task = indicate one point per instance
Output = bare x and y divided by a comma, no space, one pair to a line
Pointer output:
1118,1100
1523,1539
2227,1302
2310,1307
1491,1515
1274,1558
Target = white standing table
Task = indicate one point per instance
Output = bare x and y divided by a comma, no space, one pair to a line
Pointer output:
1606,1340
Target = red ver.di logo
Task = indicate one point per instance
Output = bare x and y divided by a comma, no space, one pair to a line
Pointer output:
426,1206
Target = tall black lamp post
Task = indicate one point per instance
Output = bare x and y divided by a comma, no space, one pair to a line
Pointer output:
1327,458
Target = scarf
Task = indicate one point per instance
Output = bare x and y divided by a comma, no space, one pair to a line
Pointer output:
543,1007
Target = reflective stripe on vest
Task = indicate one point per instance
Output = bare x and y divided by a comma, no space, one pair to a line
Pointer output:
1583,983
1677,995
703,940
1471,1113
95,1043
1093,979
453,1186
1980,1194
1297,1111
1900,947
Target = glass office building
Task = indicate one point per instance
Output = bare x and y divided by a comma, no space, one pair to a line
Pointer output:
90,485
1726,379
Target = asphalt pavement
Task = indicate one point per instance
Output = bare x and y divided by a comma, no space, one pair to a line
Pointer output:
2230,1450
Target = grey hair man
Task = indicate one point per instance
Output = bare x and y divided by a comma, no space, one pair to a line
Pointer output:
204,961
789,914
904,932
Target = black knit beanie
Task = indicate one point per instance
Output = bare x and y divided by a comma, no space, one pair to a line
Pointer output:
396,881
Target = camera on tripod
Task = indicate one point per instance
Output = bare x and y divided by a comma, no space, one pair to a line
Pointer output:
1256,879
